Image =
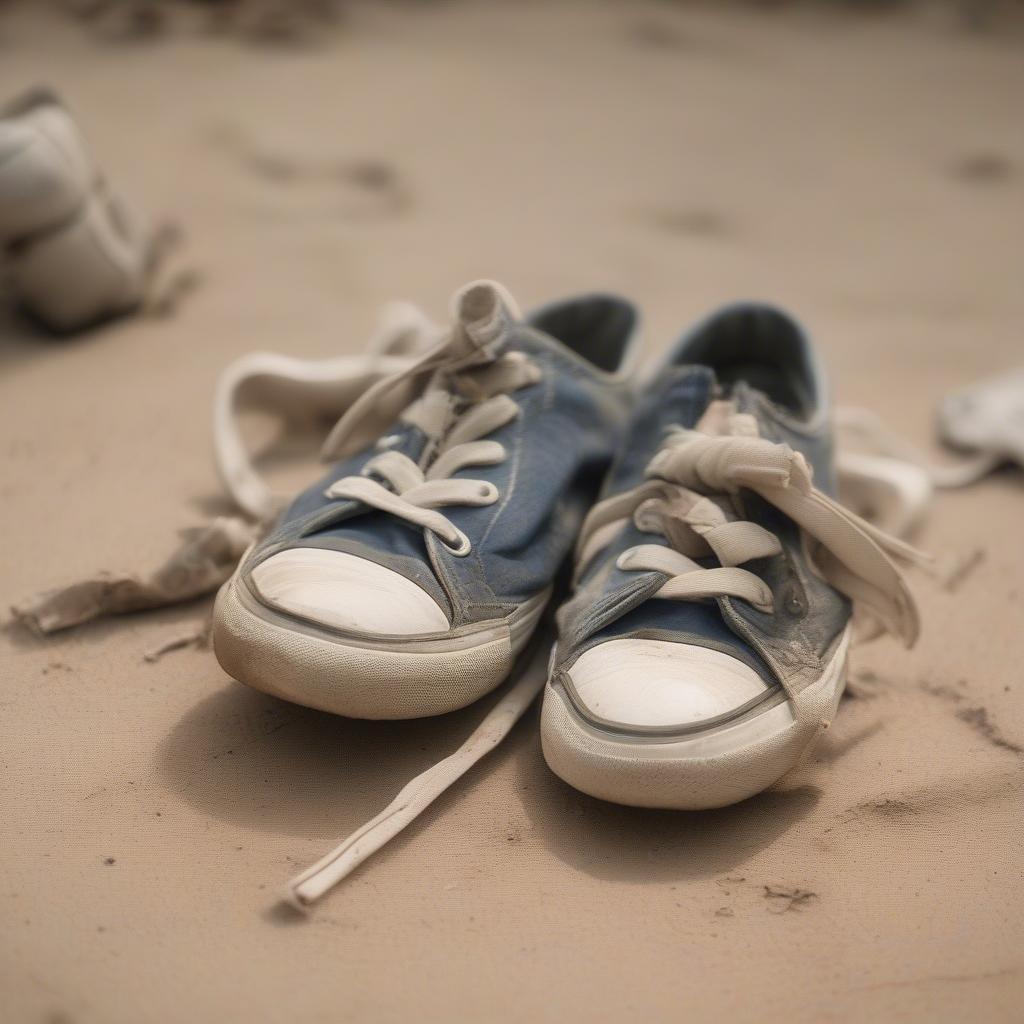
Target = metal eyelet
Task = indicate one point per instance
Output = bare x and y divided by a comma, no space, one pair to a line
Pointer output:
461,548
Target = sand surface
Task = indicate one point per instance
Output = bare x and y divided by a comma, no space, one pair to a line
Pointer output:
869,173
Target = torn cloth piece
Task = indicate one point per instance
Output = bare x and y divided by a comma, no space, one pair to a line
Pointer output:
205,560
282,384
981,423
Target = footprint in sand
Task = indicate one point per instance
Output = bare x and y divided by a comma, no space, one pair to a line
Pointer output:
349,188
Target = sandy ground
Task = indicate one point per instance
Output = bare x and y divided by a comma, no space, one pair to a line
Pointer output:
869,173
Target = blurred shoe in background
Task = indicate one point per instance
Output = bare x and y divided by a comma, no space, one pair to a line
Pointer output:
73,252
985,422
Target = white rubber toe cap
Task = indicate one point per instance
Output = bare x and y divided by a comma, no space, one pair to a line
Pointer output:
657,683
347,592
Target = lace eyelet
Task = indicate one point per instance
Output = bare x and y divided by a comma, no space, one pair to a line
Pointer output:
461,548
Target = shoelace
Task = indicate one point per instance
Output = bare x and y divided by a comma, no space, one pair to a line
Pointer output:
416,796
305,389
459,393
691,496
461,407
455,394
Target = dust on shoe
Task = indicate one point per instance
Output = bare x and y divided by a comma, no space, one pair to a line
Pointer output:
406,581
705,647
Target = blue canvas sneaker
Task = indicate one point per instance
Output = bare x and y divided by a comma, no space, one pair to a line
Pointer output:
406,581
705,646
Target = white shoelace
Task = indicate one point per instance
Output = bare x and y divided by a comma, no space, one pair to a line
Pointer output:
459,394
305,389
460,407
416,796
691,497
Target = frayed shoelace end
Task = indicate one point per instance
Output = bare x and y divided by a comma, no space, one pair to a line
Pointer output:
292,896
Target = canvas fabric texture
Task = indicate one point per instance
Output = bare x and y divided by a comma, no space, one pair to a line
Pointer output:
152,811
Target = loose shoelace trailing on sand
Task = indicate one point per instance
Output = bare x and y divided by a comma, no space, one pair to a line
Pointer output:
527,680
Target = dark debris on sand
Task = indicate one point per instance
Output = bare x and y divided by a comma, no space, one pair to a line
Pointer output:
697,221
978,719
983,169
784,899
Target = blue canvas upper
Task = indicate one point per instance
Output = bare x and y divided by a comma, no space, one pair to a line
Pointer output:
762,361
559,449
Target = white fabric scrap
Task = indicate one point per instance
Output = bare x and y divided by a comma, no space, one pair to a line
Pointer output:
987,418
202,563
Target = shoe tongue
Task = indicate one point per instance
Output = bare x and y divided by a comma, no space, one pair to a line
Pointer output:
482,312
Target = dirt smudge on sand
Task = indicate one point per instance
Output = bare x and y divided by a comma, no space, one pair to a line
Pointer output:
658,35
887,807
280,23
978,719
983,169
944,692
945,797
374,183
695,222
783,899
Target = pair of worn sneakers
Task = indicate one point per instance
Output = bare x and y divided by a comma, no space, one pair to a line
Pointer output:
715,580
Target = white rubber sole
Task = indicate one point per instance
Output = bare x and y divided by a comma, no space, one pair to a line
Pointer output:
377,678
714,767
